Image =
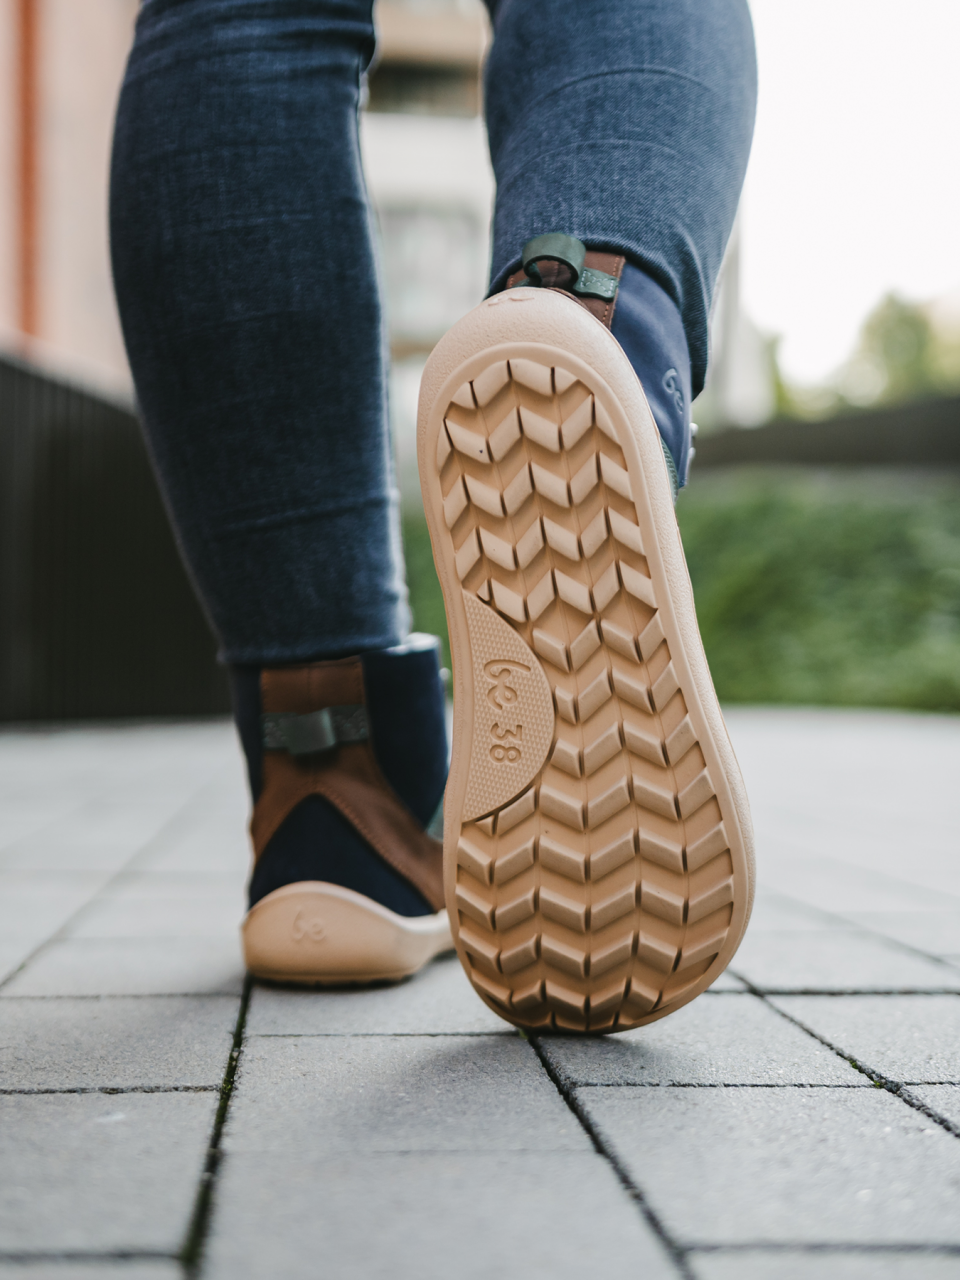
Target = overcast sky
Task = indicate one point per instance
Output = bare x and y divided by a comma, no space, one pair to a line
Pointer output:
854,181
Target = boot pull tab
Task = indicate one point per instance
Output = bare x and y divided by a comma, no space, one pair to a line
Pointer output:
557,261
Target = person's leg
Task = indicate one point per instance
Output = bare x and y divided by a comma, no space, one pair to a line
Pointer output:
247,284
248,291
630,129
598,833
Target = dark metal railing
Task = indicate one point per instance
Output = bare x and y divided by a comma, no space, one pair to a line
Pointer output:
97,616
925,433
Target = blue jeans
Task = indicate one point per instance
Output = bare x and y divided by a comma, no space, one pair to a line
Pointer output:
248,284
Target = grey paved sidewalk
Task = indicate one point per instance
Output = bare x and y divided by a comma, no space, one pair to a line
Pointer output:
802,1119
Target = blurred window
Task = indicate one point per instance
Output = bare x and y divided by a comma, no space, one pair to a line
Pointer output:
429,54
435,267
422,90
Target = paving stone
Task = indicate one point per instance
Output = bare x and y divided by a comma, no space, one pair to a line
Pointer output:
438,1001
36,904
762,1264
476,1216
935,932
97,825
853,763
13,952
218,844
836,961
906,1038
836,884
870,835
364,1094
729,1039
775,911
727,982
766,1166
461,1139
115,1042
213,836
20,818
164,905
103,1268
126,966
95,1172
66,857
942,1098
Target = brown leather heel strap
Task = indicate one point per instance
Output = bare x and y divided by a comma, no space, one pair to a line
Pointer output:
557,276
348,776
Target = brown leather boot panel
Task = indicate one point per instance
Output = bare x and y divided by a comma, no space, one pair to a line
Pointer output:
601,308
348,777
312,686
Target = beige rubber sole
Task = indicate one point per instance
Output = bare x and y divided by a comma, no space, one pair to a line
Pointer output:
597,846
319,934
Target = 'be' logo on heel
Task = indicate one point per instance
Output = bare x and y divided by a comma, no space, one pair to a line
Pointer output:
308,928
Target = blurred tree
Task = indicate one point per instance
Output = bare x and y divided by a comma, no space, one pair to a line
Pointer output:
905,351
896,357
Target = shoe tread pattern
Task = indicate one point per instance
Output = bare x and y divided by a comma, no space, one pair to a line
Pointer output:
604,891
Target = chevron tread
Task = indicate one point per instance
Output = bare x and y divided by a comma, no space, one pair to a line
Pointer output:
604,891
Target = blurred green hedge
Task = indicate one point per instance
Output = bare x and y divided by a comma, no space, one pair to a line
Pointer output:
839,587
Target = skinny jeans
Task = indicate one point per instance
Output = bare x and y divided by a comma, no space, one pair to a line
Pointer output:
249,290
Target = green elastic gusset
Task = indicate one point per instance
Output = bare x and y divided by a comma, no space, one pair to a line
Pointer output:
315,731
671,471
435,825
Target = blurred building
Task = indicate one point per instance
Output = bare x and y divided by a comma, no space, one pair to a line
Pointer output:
741,384
428,171
429,175
61,64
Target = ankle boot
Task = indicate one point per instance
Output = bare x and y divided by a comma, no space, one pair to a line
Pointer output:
347,763
598,838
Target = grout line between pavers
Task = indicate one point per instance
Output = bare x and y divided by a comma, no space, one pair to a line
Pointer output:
379,1035
877,1078
133,995
755,989
191,1252
856,926
807,1246
676,1253
118,875
112,1089
711,1084
23,1257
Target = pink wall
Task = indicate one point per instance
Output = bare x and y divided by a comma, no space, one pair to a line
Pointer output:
82,48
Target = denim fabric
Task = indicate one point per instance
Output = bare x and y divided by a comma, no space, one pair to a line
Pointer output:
248,285
249,296
648,326
625,123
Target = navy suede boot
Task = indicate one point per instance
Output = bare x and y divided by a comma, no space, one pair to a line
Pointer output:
647,325
347,762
